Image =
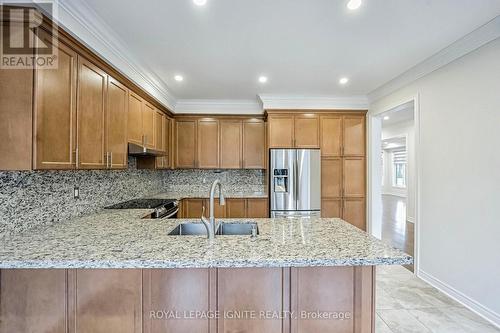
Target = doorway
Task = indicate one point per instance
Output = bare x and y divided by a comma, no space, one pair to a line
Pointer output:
393,175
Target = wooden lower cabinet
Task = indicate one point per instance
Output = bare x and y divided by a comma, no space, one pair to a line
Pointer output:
175,299
342,295
224,300
234,208
257,208
246,295
106,300
354,212
33,300
331,208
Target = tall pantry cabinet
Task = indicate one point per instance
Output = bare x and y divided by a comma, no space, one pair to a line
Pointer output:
341,137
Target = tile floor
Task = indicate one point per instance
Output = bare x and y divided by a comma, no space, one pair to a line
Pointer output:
406,304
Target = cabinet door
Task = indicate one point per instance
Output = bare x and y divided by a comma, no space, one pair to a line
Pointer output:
208,144
236,208
185,149
346,291
148,125
331,177
254,145
257,208
107,300
331,208
331,135
306,131
281,131
116,126
230,144
181,291
33,300
354,177
159,137
167,159
134,128
219,211
91,112
354,212
354,135
192,208
16,118
55,112
258,289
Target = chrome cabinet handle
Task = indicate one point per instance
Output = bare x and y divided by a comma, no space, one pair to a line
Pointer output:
110,159
77,156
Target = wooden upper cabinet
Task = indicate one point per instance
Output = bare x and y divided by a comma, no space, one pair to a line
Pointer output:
167,159
306,132
208,143
230,144
148,125
116,127
55,112
159,137
107,300
331,135
91,111
185,148
354,135
254,145
281,131
135,118
354,177
331,178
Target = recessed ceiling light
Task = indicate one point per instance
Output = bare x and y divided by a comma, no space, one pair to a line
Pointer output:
354,4
200,2
343,80
178,78
262,79
387,118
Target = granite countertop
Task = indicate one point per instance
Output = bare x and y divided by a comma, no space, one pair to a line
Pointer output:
121,239
184,194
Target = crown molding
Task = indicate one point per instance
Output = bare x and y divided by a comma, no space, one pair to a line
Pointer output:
218,106
314,102
470,42
85,24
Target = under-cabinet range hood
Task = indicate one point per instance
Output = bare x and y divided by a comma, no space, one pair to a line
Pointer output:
138,150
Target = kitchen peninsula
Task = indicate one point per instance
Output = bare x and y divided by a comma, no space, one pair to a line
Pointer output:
116,272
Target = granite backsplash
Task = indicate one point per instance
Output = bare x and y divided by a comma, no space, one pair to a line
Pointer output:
33,198
198,180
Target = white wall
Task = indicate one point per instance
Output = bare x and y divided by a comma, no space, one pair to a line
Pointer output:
406,129
459,157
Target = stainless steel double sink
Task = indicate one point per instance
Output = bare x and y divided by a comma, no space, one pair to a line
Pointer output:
225,229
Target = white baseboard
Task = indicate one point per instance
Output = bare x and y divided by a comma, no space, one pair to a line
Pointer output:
474,306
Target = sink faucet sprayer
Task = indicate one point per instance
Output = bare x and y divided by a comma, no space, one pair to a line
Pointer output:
210,223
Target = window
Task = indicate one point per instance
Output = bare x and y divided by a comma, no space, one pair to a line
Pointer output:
399,168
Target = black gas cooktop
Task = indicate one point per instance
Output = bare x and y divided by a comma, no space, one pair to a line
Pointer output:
142,204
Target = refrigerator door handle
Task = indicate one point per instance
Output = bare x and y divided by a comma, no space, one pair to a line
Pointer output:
296,174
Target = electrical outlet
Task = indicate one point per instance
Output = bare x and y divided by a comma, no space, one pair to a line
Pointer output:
76,192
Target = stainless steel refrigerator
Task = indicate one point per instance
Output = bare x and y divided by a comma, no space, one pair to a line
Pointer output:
295,182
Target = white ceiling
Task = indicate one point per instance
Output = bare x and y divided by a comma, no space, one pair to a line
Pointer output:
303,46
